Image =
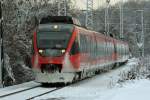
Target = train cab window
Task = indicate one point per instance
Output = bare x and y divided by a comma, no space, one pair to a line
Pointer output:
75,48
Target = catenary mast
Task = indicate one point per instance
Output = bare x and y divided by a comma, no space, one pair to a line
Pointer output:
89,14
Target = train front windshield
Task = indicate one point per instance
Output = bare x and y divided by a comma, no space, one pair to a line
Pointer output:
53,39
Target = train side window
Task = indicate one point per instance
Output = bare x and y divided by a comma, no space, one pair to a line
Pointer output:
86,44
122,49
119,49
88,49
81,44
103,48
92,46
95,47
125,50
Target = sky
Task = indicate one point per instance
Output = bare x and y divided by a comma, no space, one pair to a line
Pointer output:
82,3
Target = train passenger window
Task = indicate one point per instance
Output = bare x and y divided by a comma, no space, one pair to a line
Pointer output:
88,49
119,49
125,50
99,49
83,39
92,46
108,48
82,42
86,44
103,48
95,48
122,49
102,53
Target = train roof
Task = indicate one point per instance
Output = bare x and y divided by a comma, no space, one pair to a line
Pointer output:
102,35
60,19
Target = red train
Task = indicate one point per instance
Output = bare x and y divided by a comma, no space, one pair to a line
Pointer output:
65,52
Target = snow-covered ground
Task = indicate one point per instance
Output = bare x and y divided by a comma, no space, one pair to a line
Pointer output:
132,90
104,87
101,87
135,90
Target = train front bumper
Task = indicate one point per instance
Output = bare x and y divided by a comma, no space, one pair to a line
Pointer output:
63,77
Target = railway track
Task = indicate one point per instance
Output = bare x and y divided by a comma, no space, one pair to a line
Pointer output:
44,93
29,94
13,93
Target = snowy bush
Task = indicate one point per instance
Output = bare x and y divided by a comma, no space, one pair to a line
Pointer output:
140,71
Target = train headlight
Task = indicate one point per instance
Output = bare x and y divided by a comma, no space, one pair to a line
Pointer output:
40,51
63,51
55,26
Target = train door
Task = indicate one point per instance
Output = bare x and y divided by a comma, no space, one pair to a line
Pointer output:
83,49
106,50
75,53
